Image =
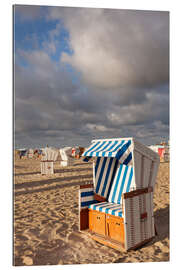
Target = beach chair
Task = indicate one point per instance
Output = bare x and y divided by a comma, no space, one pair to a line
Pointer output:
166,154
30,153
81,151
117,209
66,156
73,152
49,155
23,153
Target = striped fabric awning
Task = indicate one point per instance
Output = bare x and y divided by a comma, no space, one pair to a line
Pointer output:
120,149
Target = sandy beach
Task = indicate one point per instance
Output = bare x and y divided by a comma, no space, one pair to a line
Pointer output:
46,218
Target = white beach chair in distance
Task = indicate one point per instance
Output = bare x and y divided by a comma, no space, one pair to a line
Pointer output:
73,151
65,154
49,156
117,209
30,153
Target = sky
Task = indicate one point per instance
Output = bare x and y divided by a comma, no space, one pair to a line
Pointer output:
90,73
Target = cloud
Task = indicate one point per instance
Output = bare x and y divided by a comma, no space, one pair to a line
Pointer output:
117,48
29,12
155,107
50,106
113,83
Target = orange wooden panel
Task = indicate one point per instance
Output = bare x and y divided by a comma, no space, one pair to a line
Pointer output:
91,220
97,222
115,228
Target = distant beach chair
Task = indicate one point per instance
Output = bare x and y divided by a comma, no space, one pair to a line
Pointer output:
22,153
117,209
81,151
49,155
30,153
162,150
66,156
73,152
166,155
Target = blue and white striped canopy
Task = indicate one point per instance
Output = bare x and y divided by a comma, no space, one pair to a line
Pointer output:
120,149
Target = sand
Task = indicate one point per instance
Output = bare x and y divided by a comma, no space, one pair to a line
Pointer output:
46,218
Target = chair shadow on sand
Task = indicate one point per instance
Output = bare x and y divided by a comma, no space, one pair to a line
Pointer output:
27,173
161,217
51,181
19,167
162,223
72,170
56,171
82,164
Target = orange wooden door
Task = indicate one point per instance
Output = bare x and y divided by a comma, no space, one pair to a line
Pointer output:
115,228
97,222
91,225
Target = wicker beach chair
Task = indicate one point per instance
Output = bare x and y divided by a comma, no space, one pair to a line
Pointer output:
30,153
117,209
66,156
49,155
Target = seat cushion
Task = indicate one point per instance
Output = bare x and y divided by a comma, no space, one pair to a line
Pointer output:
108,208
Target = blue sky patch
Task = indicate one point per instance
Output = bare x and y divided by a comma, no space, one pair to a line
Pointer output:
35,34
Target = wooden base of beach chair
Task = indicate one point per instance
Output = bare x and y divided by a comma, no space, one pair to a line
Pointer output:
107,241
141,244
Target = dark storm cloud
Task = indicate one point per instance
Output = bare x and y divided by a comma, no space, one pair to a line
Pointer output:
122,61
47,102
118,48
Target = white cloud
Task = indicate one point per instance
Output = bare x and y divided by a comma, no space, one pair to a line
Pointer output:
122,91
117,48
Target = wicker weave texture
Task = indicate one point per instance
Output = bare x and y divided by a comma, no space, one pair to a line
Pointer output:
47,167
138,219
